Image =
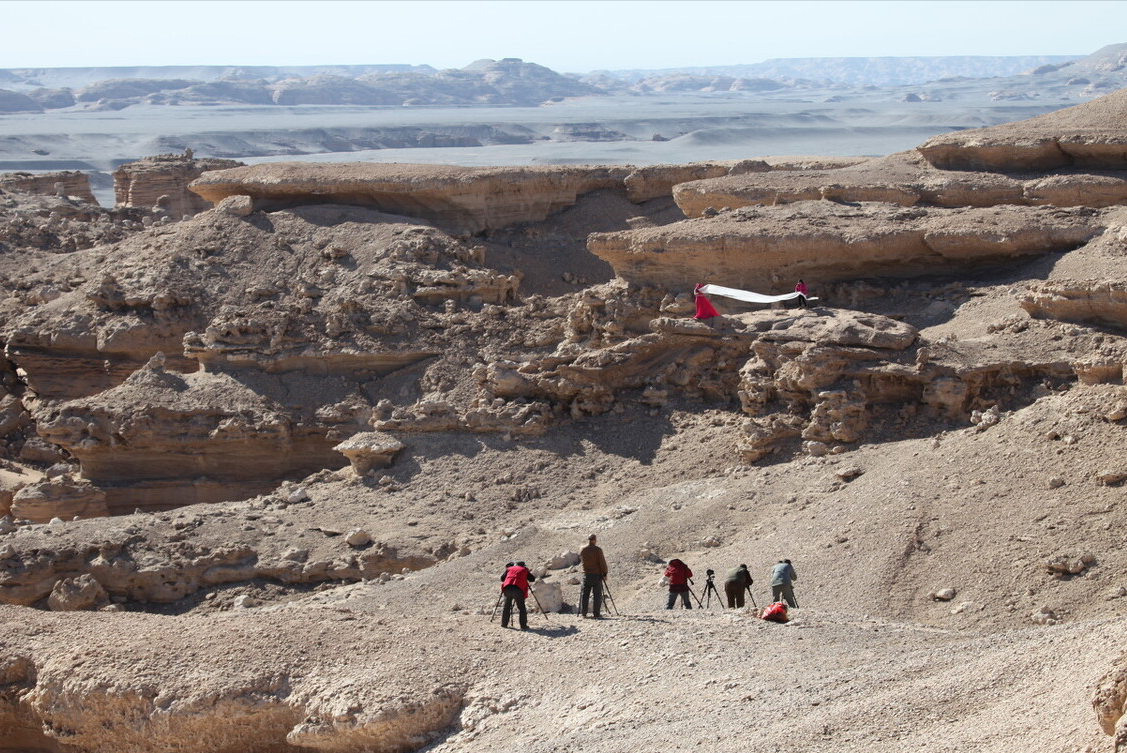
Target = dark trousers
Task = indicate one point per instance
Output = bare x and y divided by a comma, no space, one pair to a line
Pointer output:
734,590
592,582
685,602
513,593
786,591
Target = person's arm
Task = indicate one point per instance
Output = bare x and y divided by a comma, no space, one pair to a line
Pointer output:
793,573
603,563
531,577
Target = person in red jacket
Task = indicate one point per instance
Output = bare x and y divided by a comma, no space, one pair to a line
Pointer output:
678,575
514,586
800,288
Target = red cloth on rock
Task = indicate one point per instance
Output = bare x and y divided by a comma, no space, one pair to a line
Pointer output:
776,612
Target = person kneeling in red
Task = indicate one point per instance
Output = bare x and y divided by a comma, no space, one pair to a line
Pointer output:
776,612
514,586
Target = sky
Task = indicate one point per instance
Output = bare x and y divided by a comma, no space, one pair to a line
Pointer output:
575,36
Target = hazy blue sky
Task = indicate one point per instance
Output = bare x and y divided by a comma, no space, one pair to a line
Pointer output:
566,35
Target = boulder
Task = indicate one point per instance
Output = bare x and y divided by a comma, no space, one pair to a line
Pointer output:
357,538
82,592
549,594
563,560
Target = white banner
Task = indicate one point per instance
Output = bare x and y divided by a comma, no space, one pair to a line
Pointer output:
747,295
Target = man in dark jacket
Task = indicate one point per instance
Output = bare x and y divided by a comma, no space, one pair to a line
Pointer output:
737,581
514,586
594,573
782,575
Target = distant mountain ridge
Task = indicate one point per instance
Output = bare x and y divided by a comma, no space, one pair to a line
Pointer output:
514,82
861,71
26,79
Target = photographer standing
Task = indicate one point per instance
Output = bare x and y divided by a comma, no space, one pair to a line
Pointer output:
736,582
594,573
678,574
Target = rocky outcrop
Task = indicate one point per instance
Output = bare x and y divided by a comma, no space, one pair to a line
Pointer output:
765,248
905,179
653,181
199,438
465,199
458,199
1089,135
65,498
68,183
368,450
264,696
1110,704
161,183
27,580
1100,301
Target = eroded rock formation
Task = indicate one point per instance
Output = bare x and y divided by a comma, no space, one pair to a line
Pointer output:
761,248
466,199
161,183
1100,301
1087,136
68,183
229,440
458,199
906,179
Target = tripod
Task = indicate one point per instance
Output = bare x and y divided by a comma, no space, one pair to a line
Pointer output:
694,593
751,596
709,590
610,599
501,597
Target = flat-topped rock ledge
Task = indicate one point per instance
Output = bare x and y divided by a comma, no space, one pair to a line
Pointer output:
1090,135
458,199
469,199
906,179
766,248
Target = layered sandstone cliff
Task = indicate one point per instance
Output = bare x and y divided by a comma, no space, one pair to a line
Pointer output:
161,183
63,184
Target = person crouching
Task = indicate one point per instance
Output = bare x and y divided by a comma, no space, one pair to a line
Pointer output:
514,587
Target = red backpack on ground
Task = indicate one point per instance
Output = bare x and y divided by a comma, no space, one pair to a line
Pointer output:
776,612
